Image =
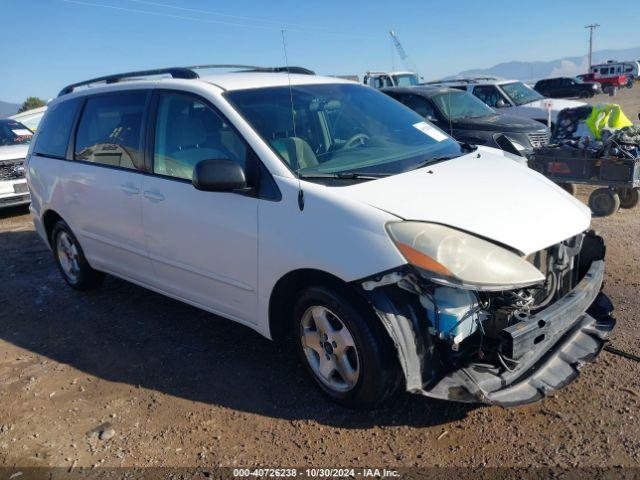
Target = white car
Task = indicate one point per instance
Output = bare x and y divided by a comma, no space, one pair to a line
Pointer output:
14,145
513,97
325,211
403,78
31,118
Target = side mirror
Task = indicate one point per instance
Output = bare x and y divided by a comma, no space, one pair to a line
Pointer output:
218,176
501,104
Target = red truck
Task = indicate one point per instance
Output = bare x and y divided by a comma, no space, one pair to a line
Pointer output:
610,76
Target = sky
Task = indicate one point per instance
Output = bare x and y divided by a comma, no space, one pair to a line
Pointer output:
47,44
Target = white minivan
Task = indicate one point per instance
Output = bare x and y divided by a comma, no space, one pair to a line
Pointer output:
323,211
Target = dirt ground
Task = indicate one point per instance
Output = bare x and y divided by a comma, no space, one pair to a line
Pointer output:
180,387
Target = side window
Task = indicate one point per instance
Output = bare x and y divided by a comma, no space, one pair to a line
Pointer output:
377,82
420,105
110,130
388,82
188,131
488,94
54,133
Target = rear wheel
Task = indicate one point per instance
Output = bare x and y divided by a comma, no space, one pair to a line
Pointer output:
584,94
349,356
71,260
604,202
629,197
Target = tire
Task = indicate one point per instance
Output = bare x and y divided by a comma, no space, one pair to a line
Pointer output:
570,188
334,333
71,261
584,94
604,202
629,197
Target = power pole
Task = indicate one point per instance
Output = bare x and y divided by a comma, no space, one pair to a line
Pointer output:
591,28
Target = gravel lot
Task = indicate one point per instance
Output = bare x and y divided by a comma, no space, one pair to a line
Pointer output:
125,377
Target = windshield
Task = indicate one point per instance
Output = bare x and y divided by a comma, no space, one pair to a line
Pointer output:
32,121
14,133
519,93
341,128
456,105
406,80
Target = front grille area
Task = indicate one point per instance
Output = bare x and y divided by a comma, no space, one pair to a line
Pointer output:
539,139
12,169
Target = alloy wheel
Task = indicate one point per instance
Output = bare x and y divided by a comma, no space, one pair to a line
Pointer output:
329,349
68,256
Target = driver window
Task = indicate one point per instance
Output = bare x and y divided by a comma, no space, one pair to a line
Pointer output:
488,94
188,131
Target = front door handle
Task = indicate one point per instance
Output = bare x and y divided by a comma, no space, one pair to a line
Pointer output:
153,196
130,189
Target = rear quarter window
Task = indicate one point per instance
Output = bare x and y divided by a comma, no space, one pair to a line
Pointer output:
55,129
110,130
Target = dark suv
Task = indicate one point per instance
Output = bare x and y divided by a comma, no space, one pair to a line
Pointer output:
564,87
470,120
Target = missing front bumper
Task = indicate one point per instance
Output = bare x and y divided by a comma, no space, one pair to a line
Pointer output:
563,337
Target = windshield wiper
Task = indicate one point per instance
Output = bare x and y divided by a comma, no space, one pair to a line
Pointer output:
467,146
431,161
346,176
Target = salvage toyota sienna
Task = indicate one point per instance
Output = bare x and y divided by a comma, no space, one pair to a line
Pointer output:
323,211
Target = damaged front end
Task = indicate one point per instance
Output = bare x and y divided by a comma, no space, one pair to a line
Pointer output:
507,347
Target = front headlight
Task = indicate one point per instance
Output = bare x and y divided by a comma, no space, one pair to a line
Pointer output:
451,257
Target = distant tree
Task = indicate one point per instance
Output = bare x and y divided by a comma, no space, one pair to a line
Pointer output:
31,103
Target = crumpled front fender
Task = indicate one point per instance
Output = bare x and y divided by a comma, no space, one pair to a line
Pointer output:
573,328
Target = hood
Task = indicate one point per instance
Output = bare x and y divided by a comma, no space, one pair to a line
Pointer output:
490,196
13,152
499,123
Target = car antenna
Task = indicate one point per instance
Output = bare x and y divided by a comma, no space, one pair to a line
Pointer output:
293,122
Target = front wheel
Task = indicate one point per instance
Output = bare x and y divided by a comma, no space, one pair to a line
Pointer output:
71,260
349,355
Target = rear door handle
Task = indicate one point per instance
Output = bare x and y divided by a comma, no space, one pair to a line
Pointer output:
130,189
153,196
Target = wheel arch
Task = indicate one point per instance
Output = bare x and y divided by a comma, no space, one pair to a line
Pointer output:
289,286
49,219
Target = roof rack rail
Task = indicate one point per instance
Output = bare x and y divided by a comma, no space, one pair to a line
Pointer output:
175,72
180,72
292,69
254,68
219,65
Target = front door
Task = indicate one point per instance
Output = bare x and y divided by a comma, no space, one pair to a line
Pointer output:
203,245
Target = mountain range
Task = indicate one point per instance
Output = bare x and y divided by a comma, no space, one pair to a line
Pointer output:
568,66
